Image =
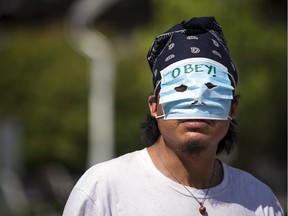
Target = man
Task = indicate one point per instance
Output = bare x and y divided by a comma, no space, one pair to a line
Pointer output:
192,119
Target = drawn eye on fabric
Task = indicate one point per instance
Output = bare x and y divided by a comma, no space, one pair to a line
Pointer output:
181,88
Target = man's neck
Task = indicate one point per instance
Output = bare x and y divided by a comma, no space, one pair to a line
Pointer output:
198,171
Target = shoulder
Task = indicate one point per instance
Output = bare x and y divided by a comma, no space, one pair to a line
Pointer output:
250,191
96,188
243,178
109,171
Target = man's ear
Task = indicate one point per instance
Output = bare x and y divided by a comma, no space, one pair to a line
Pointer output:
234,107
152,103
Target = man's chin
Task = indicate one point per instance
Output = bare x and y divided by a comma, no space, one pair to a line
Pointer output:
192,148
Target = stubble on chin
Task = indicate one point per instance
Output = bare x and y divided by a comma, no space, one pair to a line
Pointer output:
192,148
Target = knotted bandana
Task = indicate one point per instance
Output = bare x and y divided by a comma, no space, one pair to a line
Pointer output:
198,37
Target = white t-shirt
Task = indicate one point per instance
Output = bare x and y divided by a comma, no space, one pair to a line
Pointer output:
131,185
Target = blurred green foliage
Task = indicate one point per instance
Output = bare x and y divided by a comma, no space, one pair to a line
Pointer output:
45,83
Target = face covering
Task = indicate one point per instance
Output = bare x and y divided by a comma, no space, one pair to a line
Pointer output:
196,88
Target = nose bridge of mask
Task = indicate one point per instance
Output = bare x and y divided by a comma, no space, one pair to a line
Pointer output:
196,88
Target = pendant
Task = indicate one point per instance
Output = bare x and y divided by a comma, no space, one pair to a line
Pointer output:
202,209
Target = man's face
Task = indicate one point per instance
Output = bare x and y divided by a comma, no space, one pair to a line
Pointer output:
195,97
191,136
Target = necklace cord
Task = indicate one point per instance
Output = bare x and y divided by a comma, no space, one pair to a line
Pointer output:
174,176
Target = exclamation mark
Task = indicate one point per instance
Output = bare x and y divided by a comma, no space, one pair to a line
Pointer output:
214,70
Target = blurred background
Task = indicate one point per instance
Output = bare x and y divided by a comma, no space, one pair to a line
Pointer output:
75,81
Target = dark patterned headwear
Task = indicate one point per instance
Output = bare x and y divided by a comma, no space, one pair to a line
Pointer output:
198,37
